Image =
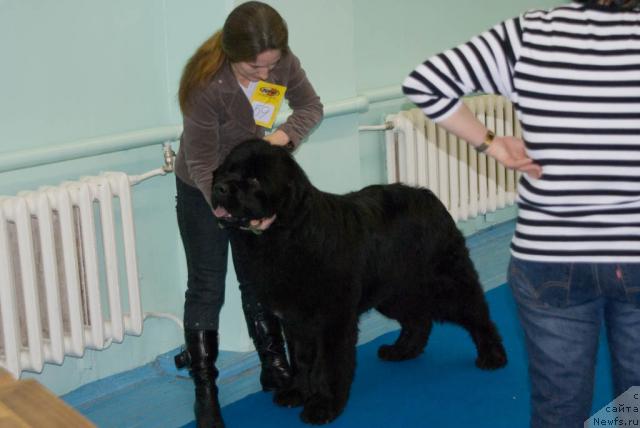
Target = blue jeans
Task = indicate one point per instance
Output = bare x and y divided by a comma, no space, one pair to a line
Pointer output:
561,308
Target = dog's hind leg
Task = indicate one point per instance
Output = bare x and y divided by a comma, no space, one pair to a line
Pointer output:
491,353
409,344
414,334
465,304
475,319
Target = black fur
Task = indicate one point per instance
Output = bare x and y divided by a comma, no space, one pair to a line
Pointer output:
328,258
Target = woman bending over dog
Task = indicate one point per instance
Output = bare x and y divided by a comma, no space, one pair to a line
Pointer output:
230,92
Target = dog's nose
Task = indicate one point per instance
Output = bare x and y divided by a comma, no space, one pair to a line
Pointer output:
220,189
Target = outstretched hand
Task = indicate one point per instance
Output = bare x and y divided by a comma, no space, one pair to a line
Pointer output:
510,152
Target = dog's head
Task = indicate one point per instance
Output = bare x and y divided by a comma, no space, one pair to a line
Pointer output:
255,185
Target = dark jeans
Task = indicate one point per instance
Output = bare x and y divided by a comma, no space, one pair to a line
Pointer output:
561,308
206,248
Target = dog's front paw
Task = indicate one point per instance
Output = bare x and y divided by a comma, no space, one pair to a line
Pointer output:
494,358
288,398
319,411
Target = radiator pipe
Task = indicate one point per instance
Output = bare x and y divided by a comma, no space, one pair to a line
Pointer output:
387,126
169,159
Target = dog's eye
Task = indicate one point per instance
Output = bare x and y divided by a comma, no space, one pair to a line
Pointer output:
254,182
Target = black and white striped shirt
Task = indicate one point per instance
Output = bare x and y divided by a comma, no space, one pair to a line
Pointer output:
573,74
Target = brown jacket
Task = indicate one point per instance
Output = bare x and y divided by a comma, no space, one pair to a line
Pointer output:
221,117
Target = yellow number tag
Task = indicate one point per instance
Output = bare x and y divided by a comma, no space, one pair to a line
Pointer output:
266,101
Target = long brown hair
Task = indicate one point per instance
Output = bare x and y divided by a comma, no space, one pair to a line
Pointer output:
250,29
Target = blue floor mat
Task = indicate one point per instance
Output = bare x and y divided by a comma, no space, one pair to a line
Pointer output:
441,388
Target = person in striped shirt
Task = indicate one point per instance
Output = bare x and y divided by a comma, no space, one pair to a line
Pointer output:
573,75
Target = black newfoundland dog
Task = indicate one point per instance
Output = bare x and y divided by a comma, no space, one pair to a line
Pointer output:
324,259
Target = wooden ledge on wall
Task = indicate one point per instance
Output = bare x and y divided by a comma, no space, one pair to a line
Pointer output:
27,404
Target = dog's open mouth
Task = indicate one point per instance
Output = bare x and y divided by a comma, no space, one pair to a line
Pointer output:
256,226
221,213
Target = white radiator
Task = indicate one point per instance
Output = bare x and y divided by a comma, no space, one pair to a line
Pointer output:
68,271
469,184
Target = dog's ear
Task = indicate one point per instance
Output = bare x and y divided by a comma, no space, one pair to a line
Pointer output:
296,191
297,183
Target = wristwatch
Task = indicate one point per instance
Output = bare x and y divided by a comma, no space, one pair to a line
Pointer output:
488,139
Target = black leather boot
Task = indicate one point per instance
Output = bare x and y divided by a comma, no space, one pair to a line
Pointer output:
200,357
266,332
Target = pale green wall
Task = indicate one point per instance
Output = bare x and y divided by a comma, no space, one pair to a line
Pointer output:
75,69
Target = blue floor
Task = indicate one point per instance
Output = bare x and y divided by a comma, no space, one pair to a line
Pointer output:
441,388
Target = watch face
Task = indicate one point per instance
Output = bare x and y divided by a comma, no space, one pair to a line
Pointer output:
490,136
